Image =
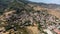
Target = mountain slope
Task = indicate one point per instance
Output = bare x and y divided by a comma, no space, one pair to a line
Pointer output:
25,17
49,6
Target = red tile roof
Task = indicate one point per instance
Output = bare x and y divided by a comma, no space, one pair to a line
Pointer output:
57,31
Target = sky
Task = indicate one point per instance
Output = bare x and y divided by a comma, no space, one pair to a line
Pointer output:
47,1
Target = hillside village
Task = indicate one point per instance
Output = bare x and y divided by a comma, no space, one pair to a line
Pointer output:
29,19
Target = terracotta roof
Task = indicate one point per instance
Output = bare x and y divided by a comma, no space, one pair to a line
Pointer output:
57,31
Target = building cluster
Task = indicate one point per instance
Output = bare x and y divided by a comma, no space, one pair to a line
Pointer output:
47,22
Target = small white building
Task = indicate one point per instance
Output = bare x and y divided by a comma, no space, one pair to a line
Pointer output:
48,31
